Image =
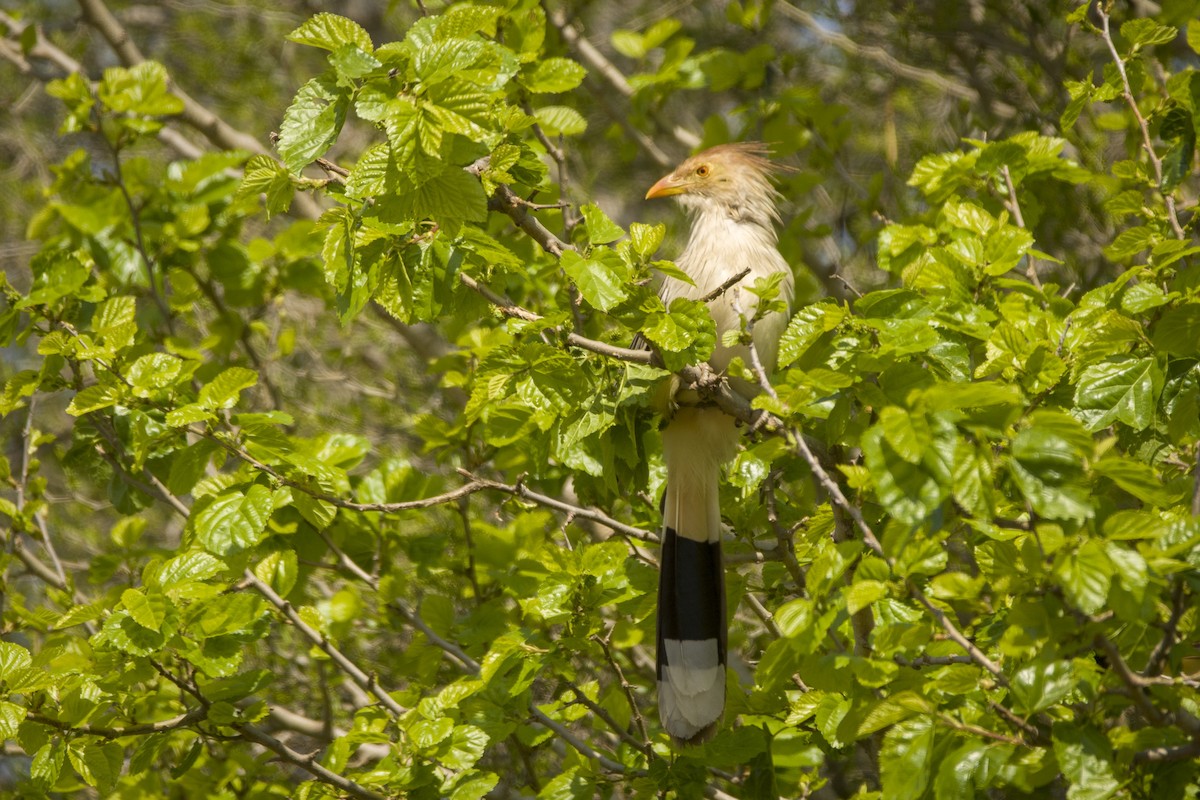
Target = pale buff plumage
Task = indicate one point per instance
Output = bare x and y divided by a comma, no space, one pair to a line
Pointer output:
728,193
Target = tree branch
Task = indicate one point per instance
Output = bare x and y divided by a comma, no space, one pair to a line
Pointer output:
1147,141
366,682
308,763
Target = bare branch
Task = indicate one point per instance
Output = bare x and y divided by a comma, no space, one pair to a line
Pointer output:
614,77
181,721
352,671
724,287
1014,207
308,763
1131,101
1160,755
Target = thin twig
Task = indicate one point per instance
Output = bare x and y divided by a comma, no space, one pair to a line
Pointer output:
308,763
768,619
613,76
1014,207
145,729
352,671
1158,656
1131,101
724,287
626,687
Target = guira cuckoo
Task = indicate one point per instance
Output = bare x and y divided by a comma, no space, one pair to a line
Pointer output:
728,194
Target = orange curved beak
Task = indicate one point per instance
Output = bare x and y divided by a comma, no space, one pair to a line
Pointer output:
666,187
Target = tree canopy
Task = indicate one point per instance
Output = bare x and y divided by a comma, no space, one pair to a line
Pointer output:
329,470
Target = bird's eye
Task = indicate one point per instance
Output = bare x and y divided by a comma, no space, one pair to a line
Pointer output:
702,171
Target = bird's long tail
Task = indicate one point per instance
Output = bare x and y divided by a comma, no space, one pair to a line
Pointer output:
691,589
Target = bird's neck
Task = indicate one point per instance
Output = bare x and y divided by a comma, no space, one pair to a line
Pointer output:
720,228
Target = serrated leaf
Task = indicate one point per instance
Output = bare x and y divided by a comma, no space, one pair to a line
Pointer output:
1085,576
1039,686
192,566
13,657
863,593
11,717
1085,757
279,571
234,521
466,746
153,371
553,75
905,759
266,176
98,764
1178,332
95,397
186,415
48,761
330,31
600,279
223,390
1123,390
141,89
149,611
560,120
600,229
805,328
312,122
1145,32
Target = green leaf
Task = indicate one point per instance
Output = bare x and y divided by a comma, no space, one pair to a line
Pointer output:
1135,477
153,371
98,764
48,761
805,328
646,239
1085,576
908,491
223,390
863,593
11,717
560,120
13,657
1178,332
902,433
312,122
1047,462
1040,686
96,397
905,759
330,31
266,176
279,571
238,686
600,229
465,747
141,89
195,565
149,611
1144,32
553,75
1086,759
234,521
1122,390
600,278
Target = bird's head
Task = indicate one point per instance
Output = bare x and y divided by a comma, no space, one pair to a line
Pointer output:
729,178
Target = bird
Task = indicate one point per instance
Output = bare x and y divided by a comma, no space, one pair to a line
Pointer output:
729,196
